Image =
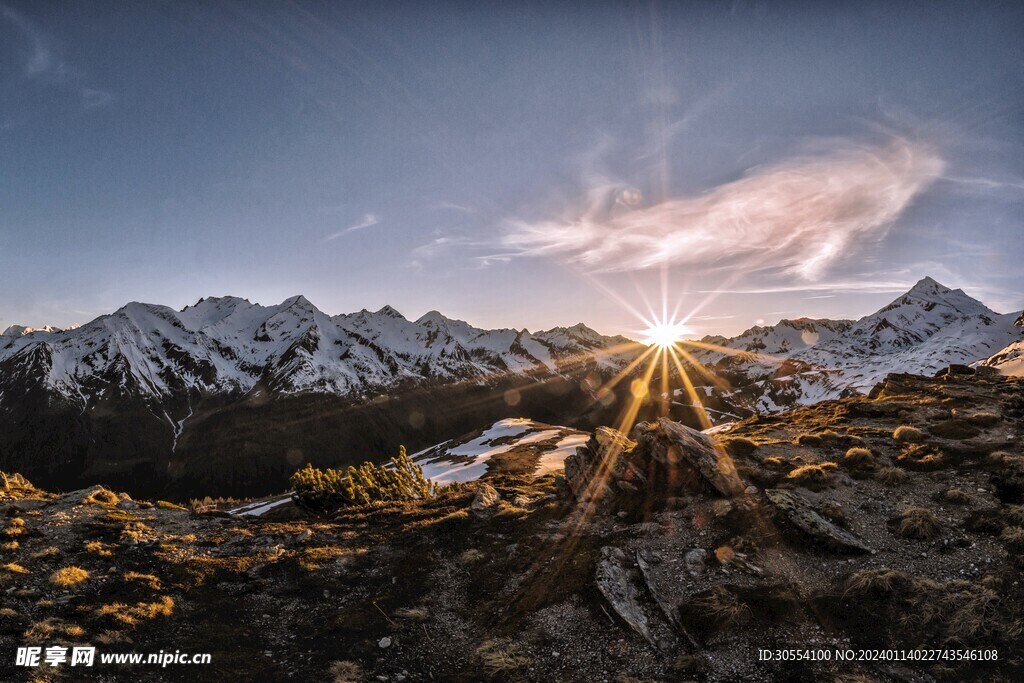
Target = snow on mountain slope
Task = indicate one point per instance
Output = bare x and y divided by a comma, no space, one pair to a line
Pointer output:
782,339
804,361
524,446
1010,360
926,329
228,344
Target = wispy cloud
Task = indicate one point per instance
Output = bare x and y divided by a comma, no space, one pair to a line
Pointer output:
369,220
39,56
451,206
800,216
866,286
43,64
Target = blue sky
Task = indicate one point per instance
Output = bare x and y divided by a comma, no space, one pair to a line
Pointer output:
524,165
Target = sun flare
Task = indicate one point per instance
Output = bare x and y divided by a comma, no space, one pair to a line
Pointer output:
665,334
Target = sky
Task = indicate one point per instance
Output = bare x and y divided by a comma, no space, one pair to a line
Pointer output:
513,164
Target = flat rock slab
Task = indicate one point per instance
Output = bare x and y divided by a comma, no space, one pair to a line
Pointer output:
802,515
617,583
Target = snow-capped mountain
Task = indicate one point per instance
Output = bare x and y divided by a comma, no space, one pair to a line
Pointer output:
804,361
230,396
229,345
1010,360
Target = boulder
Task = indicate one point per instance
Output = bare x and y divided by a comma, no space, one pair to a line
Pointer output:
802,515
955,369
485,500
678,448
659,460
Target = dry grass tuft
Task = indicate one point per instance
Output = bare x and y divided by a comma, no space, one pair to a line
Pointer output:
724,606
7,613
140,611
102,497
962,610
812,476
14,568
112,637
167,505
1001,457
148,579
1013,537
413,613
908,434
811,440
318,557
51,628
827,438
15,527
954,611
68,576
1013,515
345,672
137,532
878,582
470,556
738,446
956,497
501,657
918,523
984,419
891,476
99,548
859,459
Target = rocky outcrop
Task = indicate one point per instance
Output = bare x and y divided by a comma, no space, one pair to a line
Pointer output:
675,447
600,464
659,459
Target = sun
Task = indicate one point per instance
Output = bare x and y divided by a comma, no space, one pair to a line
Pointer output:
665,334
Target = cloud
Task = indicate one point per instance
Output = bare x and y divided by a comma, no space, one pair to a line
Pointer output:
42,64
800,216
40,58
92,98
869,284
452,206
369,220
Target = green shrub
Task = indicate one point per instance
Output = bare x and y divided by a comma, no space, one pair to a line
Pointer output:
398,480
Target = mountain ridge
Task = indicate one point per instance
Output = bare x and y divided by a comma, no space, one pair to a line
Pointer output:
921,331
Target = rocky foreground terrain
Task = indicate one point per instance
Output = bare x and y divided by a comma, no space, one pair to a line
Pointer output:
894,520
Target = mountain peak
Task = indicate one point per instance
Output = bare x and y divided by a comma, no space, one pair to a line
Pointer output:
217,301
431,318
389,312
927,285
298,299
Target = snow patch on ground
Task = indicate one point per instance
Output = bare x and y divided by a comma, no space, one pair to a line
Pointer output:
554,461
260,507
455,461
